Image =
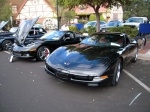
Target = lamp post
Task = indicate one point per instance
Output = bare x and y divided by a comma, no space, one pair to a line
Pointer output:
57,15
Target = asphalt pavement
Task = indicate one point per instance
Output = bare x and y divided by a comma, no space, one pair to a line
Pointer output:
145,52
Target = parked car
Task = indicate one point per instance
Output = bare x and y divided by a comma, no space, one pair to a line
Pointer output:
42,47
114,23
134,22
7,41
97,58
94,24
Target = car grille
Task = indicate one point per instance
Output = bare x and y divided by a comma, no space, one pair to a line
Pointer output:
62,75
68,76
53,71
84,78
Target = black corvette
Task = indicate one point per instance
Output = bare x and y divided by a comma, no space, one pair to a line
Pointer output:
98,57
42,47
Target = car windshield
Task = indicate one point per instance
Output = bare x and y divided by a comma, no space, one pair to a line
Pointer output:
104,40
55,35
91,23
137,20
102,22
112,23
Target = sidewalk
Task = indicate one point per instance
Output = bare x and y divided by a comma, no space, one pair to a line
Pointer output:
144,53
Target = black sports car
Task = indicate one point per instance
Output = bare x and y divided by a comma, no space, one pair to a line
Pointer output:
98,57
43,46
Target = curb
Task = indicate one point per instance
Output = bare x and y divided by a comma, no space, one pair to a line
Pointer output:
144,57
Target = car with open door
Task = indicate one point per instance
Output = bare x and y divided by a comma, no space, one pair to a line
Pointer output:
99,57
42,47
6,42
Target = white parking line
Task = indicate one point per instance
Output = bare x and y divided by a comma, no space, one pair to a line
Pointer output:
137,80
7,52
135,99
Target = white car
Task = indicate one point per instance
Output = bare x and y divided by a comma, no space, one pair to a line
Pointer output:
135,21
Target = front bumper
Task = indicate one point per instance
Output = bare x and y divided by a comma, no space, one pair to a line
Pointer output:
89,80
24,54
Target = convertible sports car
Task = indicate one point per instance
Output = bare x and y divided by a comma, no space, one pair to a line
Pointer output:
42,47
98,57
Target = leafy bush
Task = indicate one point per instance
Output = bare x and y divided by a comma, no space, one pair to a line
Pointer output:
92,17
131,32
82,21
91,30
102,18
73,28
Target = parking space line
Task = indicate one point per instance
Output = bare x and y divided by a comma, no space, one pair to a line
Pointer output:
137,80
135,99
7,52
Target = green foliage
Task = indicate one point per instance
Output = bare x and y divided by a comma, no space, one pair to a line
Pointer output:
91,30
73,28
92,17
137,8
67,16
5,10
102,18
95,4
82,21
132,32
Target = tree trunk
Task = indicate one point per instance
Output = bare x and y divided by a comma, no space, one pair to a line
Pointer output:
98,21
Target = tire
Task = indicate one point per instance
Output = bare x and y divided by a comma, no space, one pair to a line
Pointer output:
135,57
116,74
6,44
42,53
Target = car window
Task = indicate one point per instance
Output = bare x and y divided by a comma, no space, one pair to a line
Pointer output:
137,20
127,41
91,23
55,35
102,22
68,36
32,33
104,40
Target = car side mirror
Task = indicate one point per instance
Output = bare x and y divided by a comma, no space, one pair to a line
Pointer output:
41,30
133,41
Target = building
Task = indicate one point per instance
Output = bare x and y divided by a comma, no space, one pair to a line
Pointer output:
116,13
27,9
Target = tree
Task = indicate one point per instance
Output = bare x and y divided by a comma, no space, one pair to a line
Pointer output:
5,10
95,4
137,8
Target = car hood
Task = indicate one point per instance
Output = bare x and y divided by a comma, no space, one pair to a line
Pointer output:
23,30
83,59
2,24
